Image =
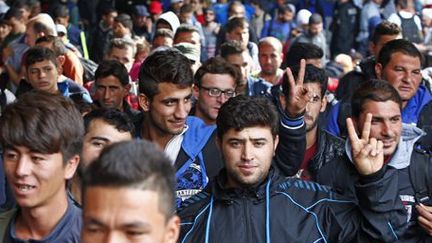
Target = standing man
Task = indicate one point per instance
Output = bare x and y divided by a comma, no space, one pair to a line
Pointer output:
41,135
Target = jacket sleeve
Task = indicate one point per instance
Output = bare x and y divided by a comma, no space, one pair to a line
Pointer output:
379,215
292,143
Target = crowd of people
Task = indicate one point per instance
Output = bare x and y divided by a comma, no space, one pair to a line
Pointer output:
215,121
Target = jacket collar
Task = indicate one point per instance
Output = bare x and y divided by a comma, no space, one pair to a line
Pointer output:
256,193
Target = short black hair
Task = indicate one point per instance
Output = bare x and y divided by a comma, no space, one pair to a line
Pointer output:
300,51
315,18
164,65
111,116
13,12
231,48
398,45
236,22
385,28
60,11
114,68
245,111
39,54
136,164
312,75
373,90
217,65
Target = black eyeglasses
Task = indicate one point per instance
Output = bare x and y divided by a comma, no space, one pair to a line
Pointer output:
215,92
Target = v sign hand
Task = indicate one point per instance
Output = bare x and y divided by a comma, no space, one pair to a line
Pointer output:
367,152
298,96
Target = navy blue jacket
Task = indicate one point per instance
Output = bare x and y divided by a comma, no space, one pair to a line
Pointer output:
291,210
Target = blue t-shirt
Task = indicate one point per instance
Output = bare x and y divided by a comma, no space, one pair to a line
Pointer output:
68,230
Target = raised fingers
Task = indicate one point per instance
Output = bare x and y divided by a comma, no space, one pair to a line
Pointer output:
352,134
366,127
301,74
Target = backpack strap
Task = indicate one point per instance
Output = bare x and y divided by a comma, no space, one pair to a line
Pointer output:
420,175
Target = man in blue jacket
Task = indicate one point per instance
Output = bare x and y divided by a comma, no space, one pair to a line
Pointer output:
249,201
165,92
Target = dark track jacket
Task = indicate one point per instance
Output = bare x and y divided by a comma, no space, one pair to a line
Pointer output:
290,210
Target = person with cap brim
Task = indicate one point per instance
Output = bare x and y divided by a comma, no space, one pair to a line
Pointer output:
142,25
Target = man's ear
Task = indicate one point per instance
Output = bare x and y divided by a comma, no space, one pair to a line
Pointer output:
71,166
276,142
144,102
323,103
378,70
172,230
195,91
127,88
61,60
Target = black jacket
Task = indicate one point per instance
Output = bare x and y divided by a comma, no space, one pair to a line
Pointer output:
329,148
291,210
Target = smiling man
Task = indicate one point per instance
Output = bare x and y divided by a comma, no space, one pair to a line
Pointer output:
41,135
165,94
400,151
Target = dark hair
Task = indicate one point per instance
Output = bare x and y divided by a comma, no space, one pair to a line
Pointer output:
60,11
21,4
312,75
315,18
163,33
136,164
58,46
114,68
125,20
385,28
236,22
403,4
186,28
374,90
39,54
217,65
300,51
165,65
13,12
43,122
114,117
245,111
230,48
186,8
108,9
398,45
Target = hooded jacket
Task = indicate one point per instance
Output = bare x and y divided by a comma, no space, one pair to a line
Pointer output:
291,210
342,176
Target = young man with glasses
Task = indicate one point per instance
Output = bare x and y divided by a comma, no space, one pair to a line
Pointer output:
214,83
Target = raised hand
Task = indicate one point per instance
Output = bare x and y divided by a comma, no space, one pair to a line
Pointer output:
367,152
425,217
298,96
